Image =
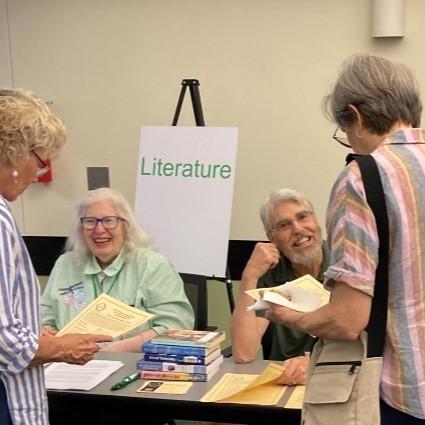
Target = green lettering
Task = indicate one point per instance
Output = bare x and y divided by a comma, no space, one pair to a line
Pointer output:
142,168
225,171
187,170
168,169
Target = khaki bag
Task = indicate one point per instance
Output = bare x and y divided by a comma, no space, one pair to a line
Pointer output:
342,384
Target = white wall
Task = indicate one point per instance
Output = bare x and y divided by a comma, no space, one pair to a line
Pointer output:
264,66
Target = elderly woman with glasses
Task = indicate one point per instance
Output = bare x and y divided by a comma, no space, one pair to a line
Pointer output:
377,104
29,134
109,253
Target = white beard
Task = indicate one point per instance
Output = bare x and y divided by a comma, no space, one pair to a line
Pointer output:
306,258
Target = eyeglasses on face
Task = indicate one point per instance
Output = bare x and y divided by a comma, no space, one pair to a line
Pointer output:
302,217
108,222
341,139
41,171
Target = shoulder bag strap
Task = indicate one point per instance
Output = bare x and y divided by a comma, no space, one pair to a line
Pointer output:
376,327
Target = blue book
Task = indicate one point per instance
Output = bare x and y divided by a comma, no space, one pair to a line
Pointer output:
185,350
175,367
181,358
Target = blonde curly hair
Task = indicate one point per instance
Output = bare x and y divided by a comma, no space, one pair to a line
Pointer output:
26,123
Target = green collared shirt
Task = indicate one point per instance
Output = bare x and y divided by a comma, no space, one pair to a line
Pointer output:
146,281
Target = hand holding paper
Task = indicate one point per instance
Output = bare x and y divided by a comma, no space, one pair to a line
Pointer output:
108,316
248,389
303,294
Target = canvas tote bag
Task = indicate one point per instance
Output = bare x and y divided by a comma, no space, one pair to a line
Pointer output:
343,377
343,384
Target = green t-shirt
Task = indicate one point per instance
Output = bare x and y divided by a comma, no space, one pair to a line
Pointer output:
286,342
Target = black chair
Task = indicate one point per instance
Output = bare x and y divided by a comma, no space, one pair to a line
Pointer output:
195,286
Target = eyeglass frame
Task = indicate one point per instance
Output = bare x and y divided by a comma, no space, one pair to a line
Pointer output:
100,220
289,223
340,139
44,169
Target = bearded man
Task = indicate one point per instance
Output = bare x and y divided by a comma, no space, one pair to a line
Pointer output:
295,249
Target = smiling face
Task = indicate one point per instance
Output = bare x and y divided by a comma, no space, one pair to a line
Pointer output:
296,232
104,244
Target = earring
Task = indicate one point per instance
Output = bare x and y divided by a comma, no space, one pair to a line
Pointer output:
15,176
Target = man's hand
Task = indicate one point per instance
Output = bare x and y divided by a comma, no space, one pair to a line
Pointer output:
79,349
264,257
295,371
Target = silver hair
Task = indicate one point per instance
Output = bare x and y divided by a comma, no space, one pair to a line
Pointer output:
383,91
134,237
278,197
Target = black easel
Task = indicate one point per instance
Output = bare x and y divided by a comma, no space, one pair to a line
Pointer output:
199,119
196,102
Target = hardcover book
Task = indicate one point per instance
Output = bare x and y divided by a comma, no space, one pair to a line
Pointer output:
177,376
182,350
181,358
175,367
189,337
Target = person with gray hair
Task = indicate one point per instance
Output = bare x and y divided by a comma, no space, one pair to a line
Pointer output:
108,252
376,105
30,134
295,249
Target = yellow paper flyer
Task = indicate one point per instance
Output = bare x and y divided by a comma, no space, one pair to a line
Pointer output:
248,389
106,315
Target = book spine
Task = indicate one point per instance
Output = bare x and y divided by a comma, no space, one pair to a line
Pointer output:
173,376
148,347
179,342
174,358
170,367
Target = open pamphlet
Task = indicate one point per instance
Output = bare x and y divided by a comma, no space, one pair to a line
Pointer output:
303,294
248,389
64,376
108,316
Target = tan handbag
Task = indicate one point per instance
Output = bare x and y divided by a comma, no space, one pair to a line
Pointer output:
343,384
344,377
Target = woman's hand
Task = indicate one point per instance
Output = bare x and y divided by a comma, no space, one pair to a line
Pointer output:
48,331
295,371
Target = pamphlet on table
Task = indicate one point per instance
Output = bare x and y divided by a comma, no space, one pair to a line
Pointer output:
248,389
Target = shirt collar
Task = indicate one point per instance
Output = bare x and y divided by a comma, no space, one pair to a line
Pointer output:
92,266
405,135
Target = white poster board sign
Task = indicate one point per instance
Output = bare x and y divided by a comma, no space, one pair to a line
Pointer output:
184,194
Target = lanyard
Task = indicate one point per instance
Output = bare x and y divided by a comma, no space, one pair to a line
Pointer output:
97,285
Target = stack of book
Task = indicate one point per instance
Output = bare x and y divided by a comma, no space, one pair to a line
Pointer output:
182,355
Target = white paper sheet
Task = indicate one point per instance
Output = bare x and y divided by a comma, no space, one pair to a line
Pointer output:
64,376
303,294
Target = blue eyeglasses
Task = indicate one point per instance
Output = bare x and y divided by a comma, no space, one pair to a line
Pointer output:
108,222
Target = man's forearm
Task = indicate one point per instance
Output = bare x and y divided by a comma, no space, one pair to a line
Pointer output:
246,328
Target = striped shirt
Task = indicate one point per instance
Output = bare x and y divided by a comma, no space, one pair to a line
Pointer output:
19,326
354,255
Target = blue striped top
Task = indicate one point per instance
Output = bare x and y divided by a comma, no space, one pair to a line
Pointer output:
19,326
